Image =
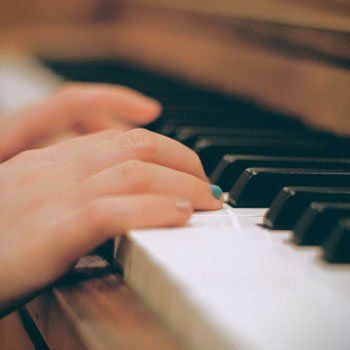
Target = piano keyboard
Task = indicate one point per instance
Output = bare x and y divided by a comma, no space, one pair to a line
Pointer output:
271,270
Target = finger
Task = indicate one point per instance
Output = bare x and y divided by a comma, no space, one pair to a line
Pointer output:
142,145
76,234
117,127
39,162
72,106
36,122
99,220
79,145
114,100
136,177
104,123
52,157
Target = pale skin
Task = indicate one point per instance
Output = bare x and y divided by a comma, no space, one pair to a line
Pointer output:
75,108
59,202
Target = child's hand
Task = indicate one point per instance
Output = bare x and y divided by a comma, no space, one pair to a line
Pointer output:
75,108
59,203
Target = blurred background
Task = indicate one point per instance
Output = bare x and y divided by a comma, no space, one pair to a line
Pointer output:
291,56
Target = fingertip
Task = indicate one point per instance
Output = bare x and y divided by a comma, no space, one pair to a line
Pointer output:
154,104
151,110
212,199
147,105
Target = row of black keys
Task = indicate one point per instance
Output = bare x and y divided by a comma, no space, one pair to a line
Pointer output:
318,216
316,203
268,152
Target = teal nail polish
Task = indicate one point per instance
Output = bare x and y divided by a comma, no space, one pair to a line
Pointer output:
216,190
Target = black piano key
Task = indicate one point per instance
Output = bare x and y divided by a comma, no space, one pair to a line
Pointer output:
212,148
189,135
317,222
336,248
257,187
291,202
170,126
172,122
231,167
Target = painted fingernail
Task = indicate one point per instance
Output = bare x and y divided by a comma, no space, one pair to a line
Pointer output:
183,205
216,190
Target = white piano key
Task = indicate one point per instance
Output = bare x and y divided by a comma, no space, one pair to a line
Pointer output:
238,285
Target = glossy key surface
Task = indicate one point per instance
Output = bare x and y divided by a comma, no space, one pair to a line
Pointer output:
212,148
257,187
232,166
336,247
189,134
291,202
318,221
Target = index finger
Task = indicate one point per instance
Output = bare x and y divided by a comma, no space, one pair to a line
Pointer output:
138,144
119,102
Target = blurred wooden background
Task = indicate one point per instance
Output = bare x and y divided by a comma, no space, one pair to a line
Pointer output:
292,56
16,12
87,27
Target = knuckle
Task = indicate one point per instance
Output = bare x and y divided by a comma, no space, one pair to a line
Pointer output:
143,142
136,175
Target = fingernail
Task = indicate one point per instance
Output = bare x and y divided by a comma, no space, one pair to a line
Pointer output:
216,190
183,205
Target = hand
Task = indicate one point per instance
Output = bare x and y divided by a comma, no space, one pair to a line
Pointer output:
76,108
59,203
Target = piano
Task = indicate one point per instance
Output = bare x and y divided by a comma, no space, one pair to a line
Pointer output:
271,270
